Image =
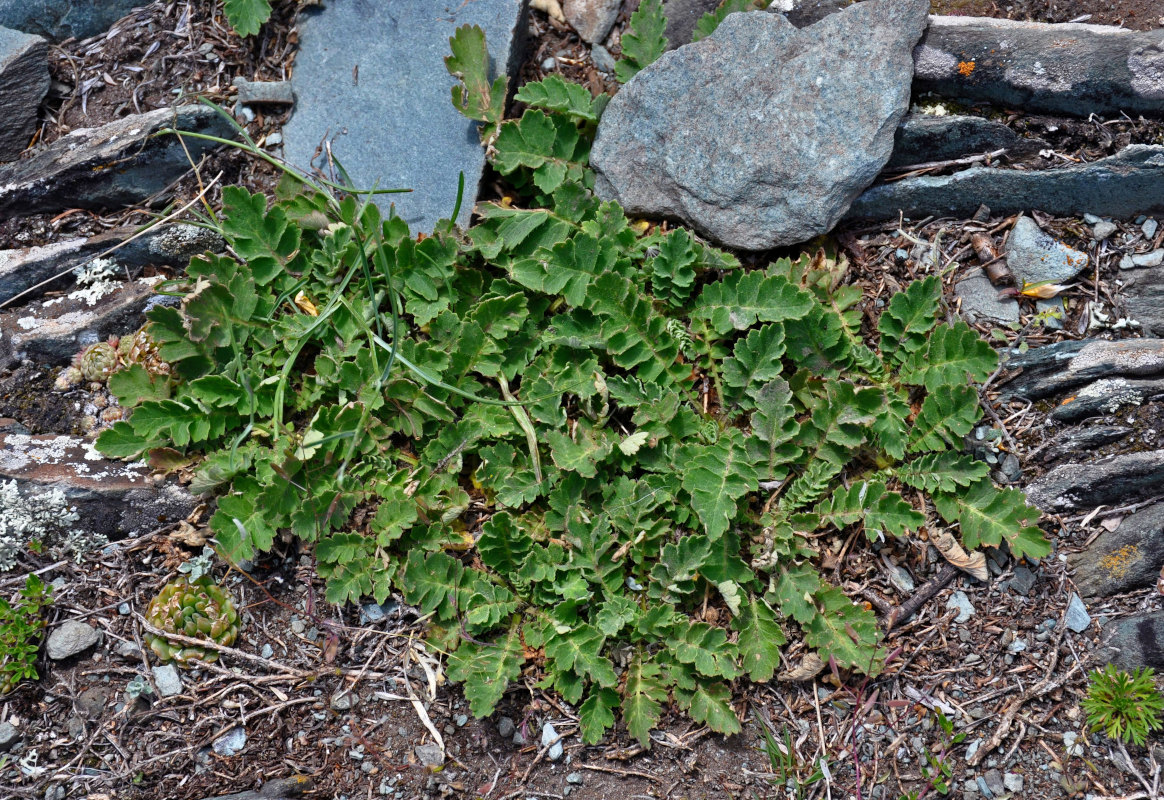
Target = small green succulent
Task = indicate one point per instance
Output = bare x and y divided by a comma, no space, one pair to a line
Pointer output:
97,361
1124,706
195,607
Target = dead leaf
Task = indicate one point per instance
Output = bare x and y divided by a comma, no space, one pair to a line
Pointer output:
190,536
305,305
971,563
1111,523
809,667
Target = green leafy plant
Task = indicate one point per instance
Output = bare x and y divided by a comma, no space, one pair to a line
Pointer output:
1123,706
21,624
246,17
790,774
570,439
643,41
939,769
711,20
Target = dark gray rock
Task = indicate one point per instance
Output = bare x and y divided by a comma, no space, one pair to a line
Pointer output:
230,743
278,93
1124,185
1136,641
429,755
70,638
172,245
64,19
1143,297
1063,366
1037,257
24,81
1023,581
1106,396
9,736
53,332
1059,69
592,19
505,727
683,16
1085,440
112,498
681,138
922,138
1130,557
979,300
116,165
395,126
1115,480
1076,617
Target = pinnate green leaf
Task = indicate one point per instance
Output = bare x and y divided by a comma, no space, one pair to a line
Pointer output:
246,17
954,355
741,299
487,669
643,41
717,476
988,515
554,93
596,714
946,416
909,316
643,696
475,97
760,638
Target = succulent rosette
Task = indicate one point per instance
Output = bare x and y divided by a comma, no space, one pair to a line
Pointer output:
198,608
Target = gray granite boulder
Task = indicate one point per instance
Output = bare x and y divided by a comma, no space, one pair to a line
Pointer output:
1115,480
761,135
1129,183
116,165
64,19
24,81
1130,557
922,138
370,78
1037,257
1059,69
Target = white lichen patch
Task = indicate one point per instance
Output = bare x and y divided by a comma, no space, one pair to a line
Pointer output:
21,453
95,280
1143,357
1146,64
932,63
43,516
29,323
1114,394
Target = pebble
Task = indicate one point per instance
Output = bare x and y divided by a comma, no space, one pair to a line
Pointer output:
167,679
1069,742
972,748
1078,620
1011,468
505,727
1149,228
983,787
377,612
960,601
549,64
267,651
1153,259
71,638
994,782
274,140
9,736
901,580
1017,646
549,735
230,743
344,700
297,625
1090,219
1126,262
123,609
1023,581
1013,782
603,60
1102,230
574,778
127,649
430,755
461,720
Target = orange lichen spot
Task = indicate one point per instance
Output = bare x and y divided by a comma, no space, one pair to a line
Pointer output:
1070,399
1118,563
965,68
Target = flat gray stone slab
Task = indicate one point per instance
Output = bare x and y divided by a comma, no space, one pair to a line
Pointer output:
922,138
1129,183
113,498
1037,257
113,166
980,301
370,77
1115,480
1106,396
1070,69
762,134
70,638
1143,296
24,80
62,19
1061,367
1130,557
